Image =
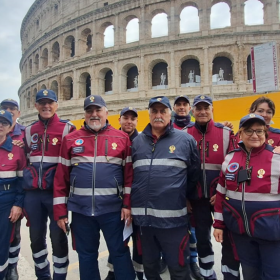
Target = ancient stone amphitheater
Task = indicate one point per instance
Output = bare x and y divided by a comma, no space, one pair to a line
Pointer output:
66,47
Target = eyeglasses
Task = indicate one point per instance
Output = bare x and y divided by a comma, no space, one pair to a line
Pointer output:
12,108
4,123
250,132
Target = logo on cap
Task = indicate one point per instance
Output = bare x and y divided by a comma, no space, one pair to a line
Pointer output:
92,99
159,99
130,108
45,92
202,97
2,112
252,115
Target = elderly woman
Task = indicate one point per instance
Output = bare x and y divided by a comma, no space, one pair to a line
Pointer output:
11,193
248,201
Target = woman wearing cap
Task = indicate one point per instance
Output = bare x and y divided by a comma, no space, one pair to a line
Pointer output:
248,201
11,192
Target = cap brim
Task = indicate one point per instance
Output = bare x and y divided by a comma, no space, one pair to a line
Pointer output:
94,104
46,98
151,104
202,101
131,111
252,119
6,119
181,97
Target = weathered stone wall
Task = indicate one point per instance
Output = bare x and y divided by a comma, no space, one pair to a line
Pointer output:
52,23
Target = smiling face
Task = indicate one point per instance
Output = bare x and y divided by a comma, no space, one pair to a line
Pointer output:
46,108
253,136
95,117
265,111
128,122
203,113
182,107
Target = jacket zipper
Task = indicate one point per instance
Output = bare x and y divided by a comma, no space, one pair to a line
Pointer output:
41,163
246,223
264,212
203,163
93,174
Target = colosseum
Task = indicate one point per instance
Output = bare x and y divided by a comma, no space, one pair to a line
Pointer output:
121,51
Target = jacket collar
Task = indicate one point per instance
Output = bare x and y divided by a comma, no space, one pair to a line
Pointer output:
168,129
49,121
7,145
17,130
254,151
182,121
209,126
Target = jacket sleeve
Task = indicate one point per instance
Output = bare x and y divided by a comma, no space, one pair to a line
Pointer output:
62,181
220,196
20,192
232,142
194,167
128,174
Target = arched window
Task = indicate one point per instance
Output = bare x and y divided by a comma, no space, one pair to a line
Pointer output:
30,67
109,82
159,76
69,45
54,87
190,73
36,63
132,79
189,20
159,25
132,31
67,88
89,42
85,85
45,58
109,37
220,16
253,12
222,71
55,52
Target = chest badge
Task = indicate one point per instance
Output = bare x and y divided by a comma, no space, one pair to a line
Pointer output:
215,147
232,167
270,142
54,141
79,142
10,156
34,138
261,172
172,149
114,146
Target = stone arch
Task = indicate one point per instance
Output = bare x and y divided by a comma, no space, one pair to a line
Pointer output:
86,36
128,74
69,45
159,25
190,71
132,35
43,86
67,88
28,100
251,9
109,36
33,97
36,63
219,17
105,81
189,19
45,58
30,67
222,63
157,68
85,85
54,87
55,52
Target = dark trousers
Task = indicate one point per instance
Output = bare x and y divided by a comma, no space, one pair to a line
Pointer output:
174,243
193,248
6,204
260,259
38,207
136,251
86,232
230,261
202,213
15,245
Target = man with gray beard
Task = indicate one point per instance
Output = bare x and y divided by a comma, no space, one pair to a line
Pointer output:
95,172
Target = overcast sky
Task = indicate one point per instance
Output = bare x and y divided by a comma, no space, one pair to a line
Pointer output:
12,13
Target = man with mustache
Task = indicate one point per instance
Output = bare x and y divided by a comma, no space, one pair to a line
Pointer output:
166,163
43,140
95,174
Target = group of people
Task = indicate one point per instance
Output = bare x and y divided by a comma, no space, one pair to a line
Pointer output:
166,183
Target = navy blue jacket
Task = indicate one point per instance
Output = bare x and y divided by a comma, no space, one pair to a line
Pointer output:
164,173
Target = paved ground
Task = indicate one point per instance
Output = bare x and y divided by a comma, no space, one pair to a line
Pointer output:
26,268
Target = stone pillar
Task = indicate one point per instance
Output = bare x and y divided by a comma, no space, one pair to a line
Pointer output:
143,31
171,71
76,85
173,24
204,18
78,51
116,85
116,32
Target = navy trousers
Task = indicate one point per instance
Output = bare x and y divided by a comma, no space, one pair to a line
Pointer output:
86,232
38,207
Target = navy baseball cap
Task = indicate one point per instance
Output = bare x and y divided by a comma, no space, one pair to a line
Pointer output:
46,94
9,101
251,117
202,98
6,115
96,100
128,109
160,99
182,97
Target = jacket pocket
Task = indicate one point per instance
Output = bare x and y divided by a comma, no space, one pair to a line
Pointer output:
30,178
72,186
232,219
47,180
265,224
119,189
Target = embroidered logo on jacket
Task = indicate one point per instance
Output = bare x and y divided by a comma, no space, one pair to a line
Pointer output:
10,156
172,149
79,142
114,146
34,138
261,172
233,167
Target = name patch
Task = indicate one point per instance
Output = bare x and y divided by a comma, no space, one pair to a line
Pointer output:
78,150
